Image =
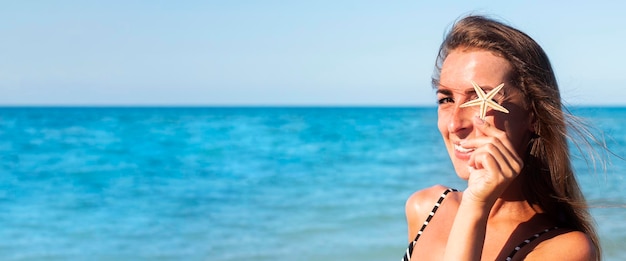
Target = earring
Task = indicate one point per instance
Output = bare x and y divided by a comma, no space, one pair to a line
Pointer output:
534,136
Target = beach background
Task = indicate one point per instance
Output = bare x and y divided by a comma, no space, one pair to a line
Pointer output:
265,130
233,183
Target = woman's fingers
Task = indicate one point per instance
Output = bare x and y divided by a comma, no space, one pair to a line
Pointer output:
500,157
494,136
494,163
489,130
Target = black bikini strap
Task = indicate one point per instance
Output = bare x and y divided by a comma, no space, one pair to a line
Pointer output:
409,250
530,239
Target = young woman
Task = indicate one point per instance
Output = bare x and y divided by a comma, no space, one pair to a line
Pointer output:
502,122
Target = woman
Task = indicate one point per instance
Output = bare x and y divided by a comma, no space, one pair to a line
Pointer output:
522,201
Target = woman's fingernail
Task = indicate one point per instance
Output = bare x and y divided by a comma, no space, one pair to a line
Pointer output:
478,120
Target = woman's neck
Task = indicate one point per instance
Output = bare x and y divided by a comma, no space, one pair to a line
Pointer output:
513,203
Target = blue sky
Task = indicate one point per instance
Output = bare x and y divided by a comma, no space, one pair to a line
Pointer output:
281,52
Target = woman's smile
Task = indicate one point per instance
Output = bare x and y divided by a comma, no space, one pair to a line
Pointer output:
462,153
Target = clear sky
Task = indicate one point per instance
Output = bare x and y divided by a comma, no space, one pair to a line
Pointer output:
281,52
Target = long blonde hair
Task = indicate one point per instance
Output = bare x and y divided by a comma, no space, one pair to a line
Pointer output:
549,178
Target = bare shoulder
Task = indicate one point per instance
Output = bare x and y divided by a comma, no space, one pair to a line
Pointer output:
419,205
568,245
423,200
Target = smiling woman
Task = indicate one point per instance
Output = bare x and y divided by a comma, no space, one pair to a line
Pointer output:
522,201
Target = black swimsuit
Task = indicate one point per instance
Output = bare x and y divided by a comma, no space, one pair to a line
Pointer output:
409,249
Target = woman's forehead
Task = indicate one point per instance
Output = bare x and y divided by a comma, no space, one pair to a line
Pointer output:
480,66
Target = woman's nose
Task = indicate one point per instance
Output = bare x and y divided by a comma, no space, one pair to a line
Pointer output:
461,119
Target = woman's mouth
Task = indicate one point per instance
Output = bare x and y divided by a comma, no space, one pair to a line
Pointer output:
462,153
460,148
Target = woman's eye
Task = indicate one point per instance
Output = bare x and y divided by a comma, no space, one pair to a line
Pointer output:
499,98
445,100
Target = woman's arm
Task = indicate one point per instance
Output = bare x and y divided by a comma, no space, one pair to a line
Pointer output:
493,166
467,235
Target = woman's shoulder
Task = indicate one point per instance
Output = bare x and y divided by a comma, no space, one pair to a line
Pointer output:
422,201
420,204
564,245
426,197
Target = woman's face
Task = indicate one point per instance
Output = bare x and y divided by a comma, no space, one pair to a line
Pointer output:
456,124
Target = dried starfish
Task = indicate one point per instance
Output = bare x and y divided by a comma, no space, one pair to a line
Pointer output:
485,100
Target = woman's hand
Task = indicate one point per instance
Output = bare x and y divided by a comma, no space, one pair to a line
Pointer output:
493,164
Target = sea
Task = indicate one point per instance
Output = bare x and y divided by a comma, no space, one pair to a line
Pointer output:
244,183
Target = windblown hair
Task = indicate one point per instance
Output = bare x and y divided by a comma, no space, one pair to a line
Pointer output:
549,179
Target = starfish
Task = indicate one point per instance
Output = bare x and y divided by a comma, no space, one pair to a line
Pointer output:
485,100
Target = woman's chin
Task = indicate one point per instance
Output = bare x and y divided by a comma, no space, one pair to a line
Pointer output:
462,172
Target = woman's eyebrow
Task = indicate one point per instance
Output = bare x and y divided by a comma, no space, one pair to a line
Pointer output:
444,91
448,91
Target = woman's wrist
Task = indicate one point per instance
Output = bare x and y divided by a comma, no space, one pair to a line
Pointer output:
471,207
470,200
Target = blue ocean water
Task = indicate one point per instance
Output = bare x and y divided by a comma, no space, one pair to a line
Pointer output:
239,183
